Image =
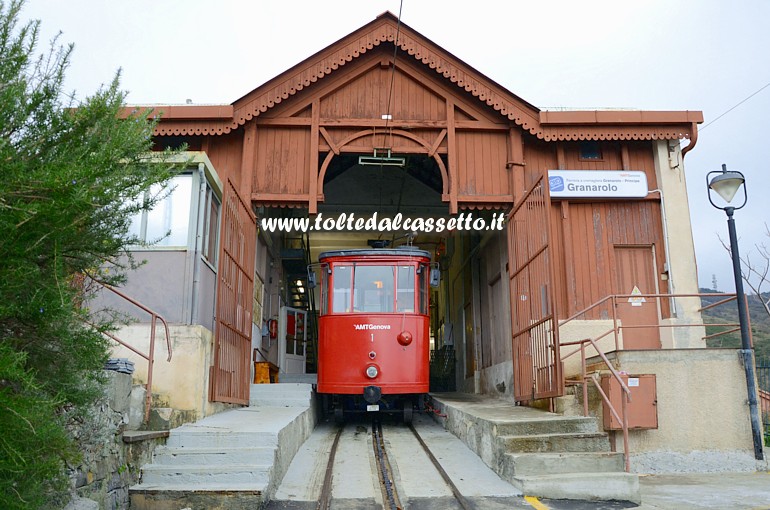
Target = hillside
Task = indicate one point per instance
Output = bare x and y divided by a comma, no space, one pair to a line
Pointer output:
760,322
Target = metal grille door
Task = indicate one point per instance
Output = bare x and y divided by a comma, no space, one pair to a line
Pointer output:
537,371
230,375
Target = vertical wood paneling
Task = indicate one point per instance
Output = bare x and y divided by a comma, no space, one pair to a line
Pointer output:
481,159
282,161
594,228
366,97
226,156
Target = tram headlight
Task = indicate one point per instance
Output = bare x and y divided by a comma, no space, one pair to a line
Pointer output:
372,372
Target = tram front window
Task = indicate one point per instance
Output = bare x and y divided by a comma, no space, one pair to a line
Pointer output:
373,289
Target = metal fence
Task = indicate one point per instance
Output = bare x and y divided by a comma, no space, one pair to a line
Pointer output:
763,381
442,369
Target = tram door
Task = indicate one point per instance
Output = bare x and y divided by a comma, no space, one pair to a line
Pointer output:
292,334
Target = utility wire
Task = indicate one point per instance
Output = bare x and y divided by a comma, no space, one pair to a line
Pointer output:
734,107
393,71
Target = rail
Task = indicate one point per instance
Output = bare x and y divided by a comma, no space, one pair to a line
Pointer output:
615,330
150,356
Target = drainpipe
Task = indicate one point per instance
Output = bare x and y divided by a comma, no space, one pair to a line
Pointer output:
666,249
693,140
198,249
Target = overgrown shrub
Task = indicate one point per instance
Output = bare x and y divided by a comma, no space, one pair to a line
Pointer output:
69,174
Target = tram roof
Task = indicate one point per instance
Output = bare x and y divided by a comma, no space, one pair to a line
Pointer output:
380,252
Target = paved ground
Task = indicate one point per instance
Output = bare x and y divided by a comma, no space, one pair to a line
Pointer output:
354,488
722,491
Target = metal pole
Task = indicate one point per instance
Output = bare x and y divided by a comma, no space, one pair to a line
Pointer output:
746,351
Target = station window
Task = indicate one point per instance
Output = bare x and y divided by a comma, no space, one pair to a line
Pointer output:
176,214
166,224
591,150
211,227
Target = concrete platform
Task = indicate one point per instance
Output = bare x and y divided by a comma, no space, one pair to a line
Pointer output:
355,483
543,454
234,459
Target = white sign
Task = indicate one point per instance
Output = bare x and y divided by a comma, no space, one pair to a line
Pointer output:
633,382
597,183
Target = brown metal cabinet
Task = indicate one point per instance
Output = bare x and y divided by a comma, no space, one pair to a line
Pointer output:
642,409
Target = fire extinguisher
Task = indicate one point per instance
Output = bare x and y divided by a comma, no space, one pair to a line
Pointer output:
272,327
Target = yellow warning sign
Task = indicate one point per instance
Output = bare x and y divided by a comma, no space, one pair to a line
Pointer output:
636,298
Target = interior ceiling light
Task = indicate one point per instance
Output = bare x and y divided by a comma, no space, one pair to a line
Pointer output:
381,157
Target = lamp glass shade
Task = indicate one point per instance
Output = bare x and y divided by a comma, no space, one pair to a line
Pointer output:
727,184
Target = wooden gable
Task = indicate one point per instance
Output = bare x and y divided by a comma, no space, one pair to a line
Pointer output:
335,101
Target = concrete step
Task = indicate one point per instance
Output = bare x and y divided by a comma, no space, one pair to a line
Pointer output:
298,378
214,496
548,424
281,395
282,388
573,442
524,464
202,475
181,456
257,401
202,438
584,486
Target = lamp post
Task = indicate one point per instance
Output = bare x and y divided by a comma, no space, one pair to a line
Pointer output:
726,185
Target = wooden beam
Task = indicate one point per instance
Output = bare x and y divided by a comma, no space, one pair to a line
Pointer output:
452,147
285,121
315,112
248,160
396,149
379,123
492,199
436,143
479,125
328,138
515,162
465,125
624,157
279,197
560,157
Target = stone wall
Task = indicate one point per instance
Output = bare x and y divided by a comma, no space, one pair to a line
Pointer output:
108,466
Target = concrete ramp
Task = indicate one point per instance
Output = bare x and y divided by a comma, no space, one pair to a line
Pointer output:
543,454
231,460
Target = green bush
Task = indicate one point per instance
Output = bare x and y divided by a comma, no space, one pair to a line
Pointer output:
69,172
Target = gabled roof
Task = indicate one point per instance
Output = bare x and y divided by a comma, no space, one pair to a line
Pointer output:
547,125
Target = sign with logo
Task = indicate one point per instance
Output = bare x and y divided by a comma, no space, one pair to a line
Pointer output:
636,298
597,184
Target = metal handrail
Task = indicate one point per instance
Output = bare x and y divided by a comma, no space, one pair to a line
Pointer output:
626,393
150,356
626,397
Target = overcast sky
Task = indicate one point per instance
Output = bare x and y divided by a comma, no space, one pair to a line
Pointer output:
707,55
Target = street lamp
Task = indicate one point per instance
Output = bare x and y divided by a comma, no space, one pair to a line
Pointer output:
726,185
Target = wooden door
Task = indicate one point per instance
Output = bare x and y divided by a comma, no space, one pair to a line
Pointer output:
537,371
639,316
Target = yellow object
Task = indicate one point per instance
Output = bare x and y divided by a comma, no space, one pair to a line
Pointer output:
265,372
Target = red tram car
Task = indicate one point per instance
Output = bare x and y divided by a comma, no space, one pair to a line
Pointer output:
373,345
